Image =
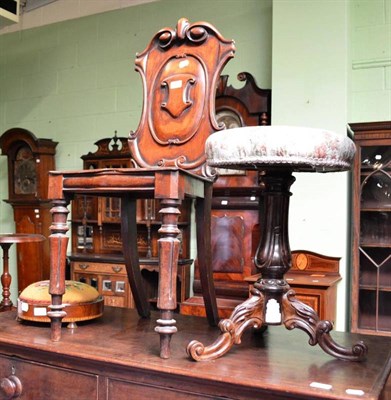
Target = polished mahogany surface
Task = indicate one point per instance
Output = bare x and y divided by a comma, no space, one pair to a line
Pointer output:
21,238
117,358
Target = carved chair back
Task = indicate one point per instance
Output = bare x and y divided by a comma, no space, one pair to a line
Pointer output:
180,70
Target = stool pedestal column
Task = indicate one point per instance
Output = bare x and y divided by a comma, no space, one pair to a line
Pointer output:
272,301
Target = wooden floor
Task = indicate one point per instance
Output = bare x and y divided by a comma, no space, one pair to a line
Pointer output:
116,357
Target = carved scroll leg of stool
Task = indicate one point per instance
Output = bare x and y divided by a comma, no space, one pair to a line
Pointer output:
298,315
58,248
168,267
249,314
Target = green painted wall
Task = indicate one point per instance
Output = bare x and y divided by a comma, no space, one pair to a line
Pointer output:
310,65
370,78
331,66
75,82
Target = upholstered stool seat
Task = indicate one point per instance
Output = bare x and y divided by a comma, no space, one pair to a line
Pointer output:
83,302
296,148
277,152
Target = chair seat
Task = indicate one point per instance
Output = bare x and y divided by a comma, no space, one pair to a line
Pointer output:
294,148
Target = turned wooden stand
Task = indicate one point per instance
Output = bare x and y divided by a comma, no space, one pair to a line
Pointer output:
272,301
6,241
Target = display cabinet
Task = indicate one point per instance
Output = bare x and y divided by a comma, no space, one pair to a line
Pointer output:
371,251
96,256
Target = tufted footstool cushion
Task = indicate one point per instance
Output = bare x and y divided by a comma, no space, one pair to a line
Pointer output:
294,148
83,302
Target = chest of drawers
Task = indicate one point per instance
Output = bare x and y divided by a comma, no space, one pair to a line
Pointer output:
116,357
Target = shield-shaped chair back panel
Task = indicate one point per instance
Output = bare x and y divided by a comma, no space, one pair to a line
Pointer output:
180,70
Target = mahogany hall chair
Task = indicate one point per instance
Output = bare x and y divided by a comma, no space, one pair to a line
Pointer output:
180,69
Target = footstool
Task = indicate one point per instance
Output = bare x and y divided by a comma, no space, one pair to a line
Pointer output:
82,302
277,151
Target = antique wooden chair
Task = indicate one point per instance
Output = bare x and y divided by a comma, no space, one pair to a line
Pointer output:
179,69
278,151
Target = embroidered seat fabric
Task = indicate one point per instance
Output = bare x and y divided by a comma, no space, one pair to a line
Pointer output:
75,293
298,148
82,302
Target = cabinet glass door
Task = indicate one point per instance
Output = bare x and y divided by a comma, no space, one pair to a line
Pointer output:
375,239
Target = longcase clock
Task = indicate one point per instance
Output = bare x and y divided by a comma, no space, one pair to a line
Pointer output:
29,160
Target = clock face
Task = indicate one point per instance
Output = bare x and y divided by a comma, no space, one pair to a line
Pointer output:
230,119
25,172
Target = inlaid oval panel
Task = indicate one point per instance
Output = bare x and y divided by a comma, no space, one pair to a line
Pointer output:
178,101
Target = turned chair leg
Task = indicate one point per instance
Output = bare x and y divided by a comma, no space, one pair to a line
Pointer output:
58,249
169,245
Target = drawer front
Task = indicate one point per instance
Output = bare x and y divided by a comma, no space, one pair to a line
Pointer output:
115,301
111,281
120,390
101,268
311,300
41,381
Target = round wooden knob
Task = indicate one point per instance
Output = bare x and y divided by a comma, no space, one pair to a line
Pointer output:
11,387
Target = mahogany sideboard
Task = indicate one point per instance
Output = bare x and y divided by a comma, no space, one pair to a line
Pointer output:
116,357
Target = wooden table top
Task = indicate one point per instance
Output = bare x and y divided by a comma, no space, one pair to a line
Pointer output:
21,238
279,361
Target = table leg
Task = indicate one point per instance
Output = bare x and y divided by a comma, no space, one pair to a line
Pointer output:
6,303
